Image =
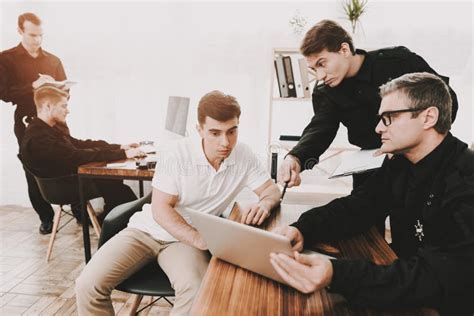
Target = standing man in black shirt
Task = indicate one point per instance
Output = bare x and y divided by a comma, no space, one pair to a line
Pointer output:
349,94
20,69
427,188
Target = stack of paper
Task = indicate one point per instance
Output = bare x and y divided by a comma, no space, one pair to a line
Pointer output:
358,162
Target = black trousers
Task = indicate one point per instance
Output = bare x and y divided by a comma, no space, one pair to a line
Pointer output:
41,207
114,192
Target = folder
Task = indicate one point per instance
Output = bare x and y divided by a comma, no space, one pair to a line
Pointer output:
289,76
297,76
358,162
280,72
304,77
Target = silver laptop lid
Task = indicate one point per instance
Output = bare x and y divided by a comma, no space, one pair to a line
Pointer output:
245,246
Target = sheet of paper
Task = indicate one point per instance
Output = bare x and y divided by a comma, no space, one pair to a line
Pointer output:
125,164
358,162
148,149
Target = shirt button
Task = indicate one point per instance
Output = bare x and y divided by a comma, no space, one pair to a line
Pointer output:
380,54
428,203
359,92
431,195
389,78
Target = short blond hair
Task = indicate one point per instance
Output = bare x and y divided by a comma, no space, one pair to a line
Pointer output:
48,93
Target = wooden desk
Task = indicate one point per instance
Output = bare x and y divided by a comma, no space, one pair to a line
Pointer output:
230,290
99,170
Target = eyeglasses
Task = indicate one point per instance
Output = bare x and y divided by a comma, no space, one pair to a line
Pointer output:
386,117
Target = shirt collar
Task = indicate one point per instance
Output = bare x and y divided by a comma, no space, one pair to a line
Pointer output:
22,51
432,161
199,157
365,71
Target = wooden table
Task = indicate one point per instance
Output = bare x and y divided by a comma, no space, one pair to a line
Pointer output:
230,290
99,170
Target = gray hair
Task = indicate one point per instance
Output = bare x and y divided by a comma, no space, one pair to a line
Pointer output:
424,90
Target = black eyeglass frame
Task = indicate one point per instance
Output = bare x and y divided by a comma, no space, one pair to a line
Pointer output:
386,117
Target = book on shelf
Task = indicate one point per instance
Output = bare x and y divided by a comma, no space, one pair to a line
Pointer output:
303,66
297,76
293,77
280,72
290,81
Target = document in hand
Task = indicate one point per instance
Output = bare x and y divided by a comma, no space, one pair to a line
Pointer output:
358,162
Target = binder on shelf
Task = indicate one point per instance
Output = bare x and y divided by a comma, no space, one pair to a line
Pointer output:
304,77
280,72
297,76
290,79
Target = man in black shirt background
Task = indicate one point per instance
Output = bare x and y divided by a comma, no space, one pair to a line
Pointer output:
427,188
349,94
20,69
50,153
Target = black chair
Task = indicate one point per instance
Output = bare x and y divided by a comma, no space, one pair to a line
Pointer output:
62,191
150,280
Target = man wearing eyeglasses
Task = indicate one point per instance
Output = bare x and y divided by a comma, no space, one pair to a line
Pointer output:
349,94
427,188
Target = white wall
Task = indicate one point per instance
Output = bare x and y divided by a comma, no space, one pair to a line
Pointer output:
128,57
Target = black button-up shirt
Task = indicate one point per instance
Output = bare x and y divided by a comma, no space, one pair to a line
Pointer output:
431,208
18,70
355,103
49,153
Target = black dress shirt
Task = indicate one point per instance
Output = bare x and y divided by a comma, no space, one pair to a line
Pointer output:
355,103
48,152
18,70
431,208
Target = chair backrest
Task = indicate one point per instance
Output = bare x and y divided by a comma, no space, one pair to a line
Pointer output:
118,217
62,190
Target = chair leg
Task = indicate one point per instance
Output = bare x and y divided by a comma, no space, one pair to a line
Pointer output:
57,218
93,217
136,303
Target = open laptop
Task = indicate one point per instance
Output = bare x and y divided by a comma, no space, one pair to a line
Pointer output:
245,246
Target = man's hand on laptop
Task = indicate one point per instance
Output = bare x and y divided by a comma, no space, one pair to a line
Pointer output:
254,214
293,234
199,242
306,273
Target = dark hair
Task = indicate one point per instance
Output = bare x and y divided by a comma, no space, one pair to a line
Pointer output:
424,90
28,16
326,34
219,106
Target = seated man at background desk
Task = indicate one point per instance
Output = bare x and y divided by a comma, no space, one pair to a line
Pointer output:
427,188
204,175
48,152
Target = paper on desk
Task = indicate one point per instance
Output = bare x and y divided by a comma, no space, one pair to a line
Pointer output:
148,149
358,162
125,164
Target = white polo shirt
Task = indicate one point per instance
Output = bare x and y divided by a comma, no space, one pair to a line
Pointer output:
183,170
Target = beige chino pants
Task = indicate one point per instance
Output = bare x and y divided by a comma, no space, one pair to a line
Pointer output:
126,253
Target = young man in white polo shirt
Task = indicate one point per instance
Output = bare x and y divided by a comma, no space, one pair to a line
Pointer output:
201,175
